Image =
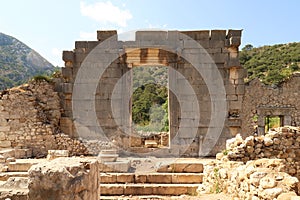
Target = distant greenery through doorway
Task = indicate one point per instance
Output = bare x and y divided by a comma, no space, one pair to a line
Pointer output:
272,122
150,99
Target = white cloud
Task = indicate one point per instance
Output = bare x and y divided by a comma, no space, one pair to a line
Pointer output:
56,52
88,35
105,13
155,26
56,57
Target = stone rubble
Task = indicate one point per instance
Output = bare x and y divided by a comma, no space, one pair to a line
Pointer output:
280,143
258,179
257,167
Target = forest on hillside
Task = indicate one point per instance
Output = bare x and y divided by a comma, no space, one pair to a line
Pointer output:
271,64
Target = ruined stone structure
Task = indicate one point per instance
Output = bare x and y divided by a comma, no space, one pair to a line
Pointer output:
257,167
192,118
39,116
29,119
263,101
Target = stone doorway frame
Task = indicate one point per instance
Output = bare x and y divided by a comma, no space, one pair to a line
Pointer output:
221,45
285,112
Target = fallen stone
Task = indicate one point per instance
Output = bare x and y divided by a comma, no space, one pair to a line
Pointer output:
286,196
271,193
267,182
268,141
64,178
52,154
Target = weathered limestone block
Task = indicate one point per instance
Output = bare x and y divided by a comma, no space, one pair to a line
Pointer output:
218,34
5,144
68,56
15,188
151,35
197,35
103,35
64,178
67,72
52,154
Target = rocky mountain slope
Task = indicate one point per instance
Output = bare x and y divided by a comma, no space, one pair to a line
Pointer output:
19,63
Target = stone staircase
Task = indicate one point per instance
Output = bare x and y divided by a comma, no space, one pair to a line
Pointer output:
180,178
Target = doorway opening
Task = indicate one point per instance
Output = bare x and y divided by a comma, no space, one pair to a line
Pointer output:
149,106
273,122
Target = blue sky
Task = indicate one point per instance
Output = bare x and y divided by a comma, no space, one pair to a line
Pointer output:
50,26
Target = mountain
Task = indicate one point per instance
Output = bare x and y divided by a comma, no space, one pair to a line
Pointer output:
19,63
271,64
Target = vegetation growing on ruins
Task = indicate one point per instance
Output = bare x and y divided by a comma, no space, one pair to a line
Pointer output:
271,64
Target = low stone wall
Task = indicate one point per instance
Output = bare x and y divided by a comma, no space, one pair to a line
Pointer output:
29,119
261,179
282,143
257,167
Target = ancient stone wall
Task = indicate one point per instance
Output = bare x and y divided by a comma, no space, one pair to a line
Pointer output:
222,48
29,119
261,101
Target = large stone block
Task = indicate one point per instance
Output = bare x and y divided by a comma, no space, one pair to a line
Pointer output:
66,125
92,44
234,122
5,144
79,57
197,35
235,33
67,88
64,178
151,35
235,41
218,35
67,72
235,105
81,44
230,89
103,35
68,56
52,154
240,89
219,57
121,165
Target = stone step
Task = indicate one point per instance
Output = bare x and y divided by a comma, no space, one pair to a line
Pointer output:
117,166
5,175
148,189
22,165
151,178
181,167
